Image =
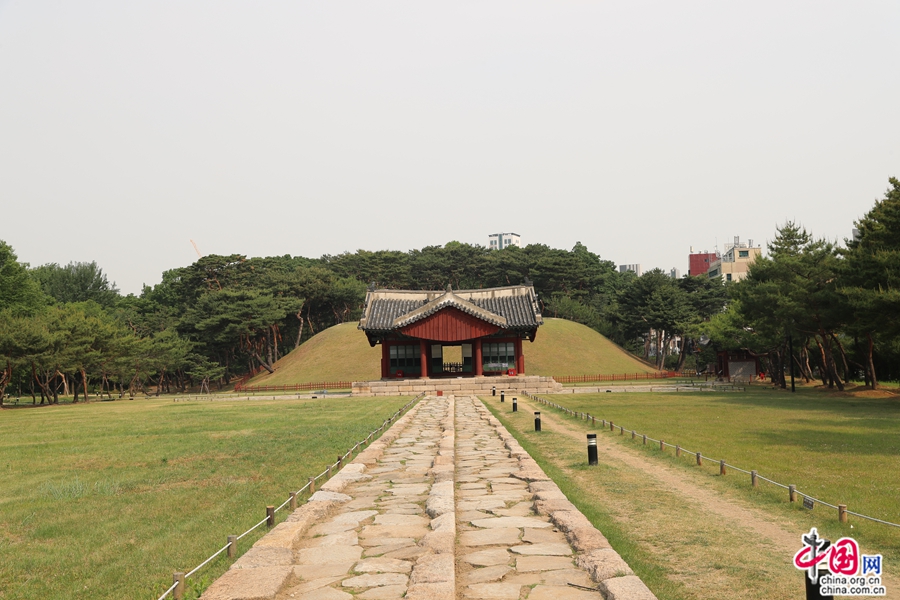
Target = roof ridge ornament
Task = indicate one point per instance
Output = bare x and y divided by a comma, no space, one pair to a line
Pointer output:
449,299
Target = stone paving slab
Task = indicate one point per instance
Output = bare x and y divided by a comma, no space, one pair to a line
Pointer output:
385,526
520,538
366,532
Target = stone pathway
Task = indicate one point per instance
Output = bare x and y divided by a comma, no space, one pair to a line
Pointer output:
386,526
503,545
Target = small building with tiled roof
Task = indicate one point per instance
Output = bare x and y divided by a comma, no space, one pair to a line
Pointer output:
413,328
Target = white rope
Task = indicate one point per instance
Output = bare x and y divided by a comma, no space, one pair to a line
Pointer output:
286,502
730,466
168,591
781,485
872,519
252,528
206,562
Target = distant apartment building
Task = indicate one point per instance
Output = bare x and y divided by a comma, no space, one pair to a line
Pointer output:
499,241
699,263
634,268
675,273
735,261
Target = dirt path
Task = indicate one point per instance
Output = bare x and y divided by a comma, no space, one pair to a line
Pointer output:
783,535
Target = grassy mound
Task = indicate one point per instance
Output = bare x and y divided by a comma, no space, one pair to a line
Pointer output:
567,348
342,353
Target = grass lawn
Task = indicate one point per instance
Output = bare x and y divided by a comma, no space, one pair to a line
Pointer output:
107,499
839,448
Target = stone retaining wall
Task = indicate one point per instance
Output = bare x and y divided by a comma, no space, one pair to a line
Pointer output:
462,386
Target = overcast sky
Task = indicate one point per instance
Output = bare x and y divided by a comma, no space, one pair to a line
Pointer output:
641,129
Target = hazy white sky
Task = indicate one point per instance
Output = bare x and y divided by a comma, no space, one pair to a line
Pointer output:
308,128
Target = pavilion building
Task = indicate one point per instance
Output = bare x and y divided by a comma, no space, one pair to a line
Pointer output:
417,328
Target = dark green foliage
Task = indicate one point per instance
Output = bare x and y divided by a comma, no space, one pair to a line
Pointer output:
76,282
839,307
226,315
18,291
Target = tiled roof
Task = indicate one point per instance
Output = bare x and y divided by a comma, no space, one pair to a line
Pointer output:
512,307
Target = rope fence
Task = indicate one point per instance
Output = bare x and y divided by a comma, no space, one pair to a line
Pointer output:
616,377
755,477
294,387
176,590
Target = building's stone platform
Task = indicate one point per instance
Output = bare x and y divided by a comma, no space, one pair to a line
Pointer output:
460,386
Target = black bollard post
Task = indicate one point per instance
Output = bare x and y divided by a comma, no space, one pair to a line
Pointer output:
813,590
515,405
493,390
537,420
502,396
592,448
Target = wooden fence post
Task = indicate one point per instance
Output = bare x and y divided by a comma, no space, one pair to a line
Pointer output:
270,516
178,592
232,546
312,486
677,450
792,493
842,513
722,467
662,446
699,459
293,504
753,481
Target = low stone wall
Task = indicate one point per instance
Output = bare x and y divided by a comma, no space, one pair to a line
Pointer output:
478,386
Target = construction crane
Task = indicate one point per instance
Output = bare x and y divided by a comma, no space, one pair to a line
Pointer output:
214,277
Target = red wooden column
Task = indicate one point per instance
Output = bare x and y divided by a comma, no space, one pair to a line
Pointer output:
479,368
520,360
385,361
423,351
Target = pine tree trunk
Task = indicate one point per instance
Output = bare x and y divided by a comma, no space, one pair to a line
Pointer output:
823,373
275,335
300,331
681,357
805,368
870,363
833,378
840,346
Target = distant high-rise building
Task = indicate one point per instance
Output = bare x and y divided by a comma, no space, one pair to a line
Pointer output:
499,241
675,273
735,262
634,268
698,264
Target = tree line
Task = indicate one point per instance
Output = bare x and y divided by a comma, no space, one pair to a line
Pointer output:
838,307
68,330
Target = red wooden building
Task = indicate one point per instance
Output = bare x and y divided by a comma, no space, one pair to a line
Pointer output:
415,328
